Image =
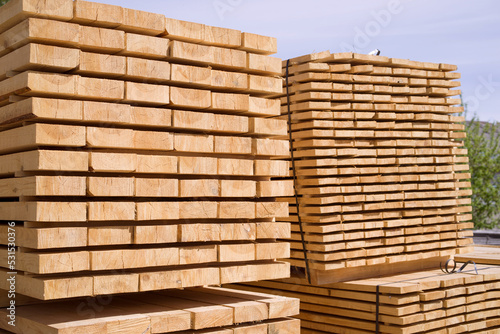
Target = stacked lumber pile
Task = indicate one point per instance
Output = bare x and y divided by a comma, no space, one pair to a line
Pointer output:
381,170
421,302
198,310
481,254
136,152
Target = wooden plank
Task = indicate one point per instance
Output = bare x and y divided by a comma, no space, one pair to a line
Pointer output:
45,238
43,186
19,10
142,22
137,45
97,14
148,70
101,65
35,135
147,94
258,43
39,57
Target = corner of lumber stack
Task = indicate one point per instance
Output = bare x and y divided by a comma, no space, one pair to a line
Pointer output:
138,153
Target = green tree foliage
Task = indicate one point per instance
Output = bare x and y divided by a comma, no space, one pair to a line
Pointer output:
483,145
3,2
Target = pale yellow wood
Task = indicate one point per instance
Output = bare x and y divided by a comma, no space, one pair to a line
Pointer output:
232,80
224,37
55,160
199,188
145,46
259,44
141,22
158,210
39,83
48,289
45,238
230,102
156,234
273,230
34,108
98,14
271,209
264,64
157,117
39,30
101,89
265,84
277,188
134,258
153,140
233,145
148,94
110,137
246,231
271,168
113,162
238,188
272,147
200,210
199,232
50,263
236,252
237,210
39,57
148,70
198,254
184,30
106,112
235,167
18,10
110,187
193,143
198,165
43,186
104,40
179,278
268,126
115,211
117,283
43,135
157,164
192,98
254,272
102,65
192,75
263,107
156,187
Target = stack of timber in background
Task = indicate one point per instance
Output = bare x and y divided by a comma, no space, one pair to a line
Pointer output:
137,152
381,169
194,310
421,302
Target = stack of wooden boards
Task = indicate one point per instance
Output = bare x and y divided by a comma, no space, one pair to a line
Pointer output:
198,310
137,152
381,169
421,302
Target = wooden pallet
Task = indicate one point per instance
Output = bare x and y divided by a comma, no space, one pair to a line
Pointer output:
382,175
137,152
421,302
201,310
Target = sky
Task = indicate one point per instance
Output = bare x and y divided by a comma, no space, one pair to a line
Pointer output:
461,32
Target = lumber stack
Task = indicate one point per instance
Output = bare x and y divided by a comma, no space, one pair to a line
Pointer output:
195,310
421,302
137,152
382,175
